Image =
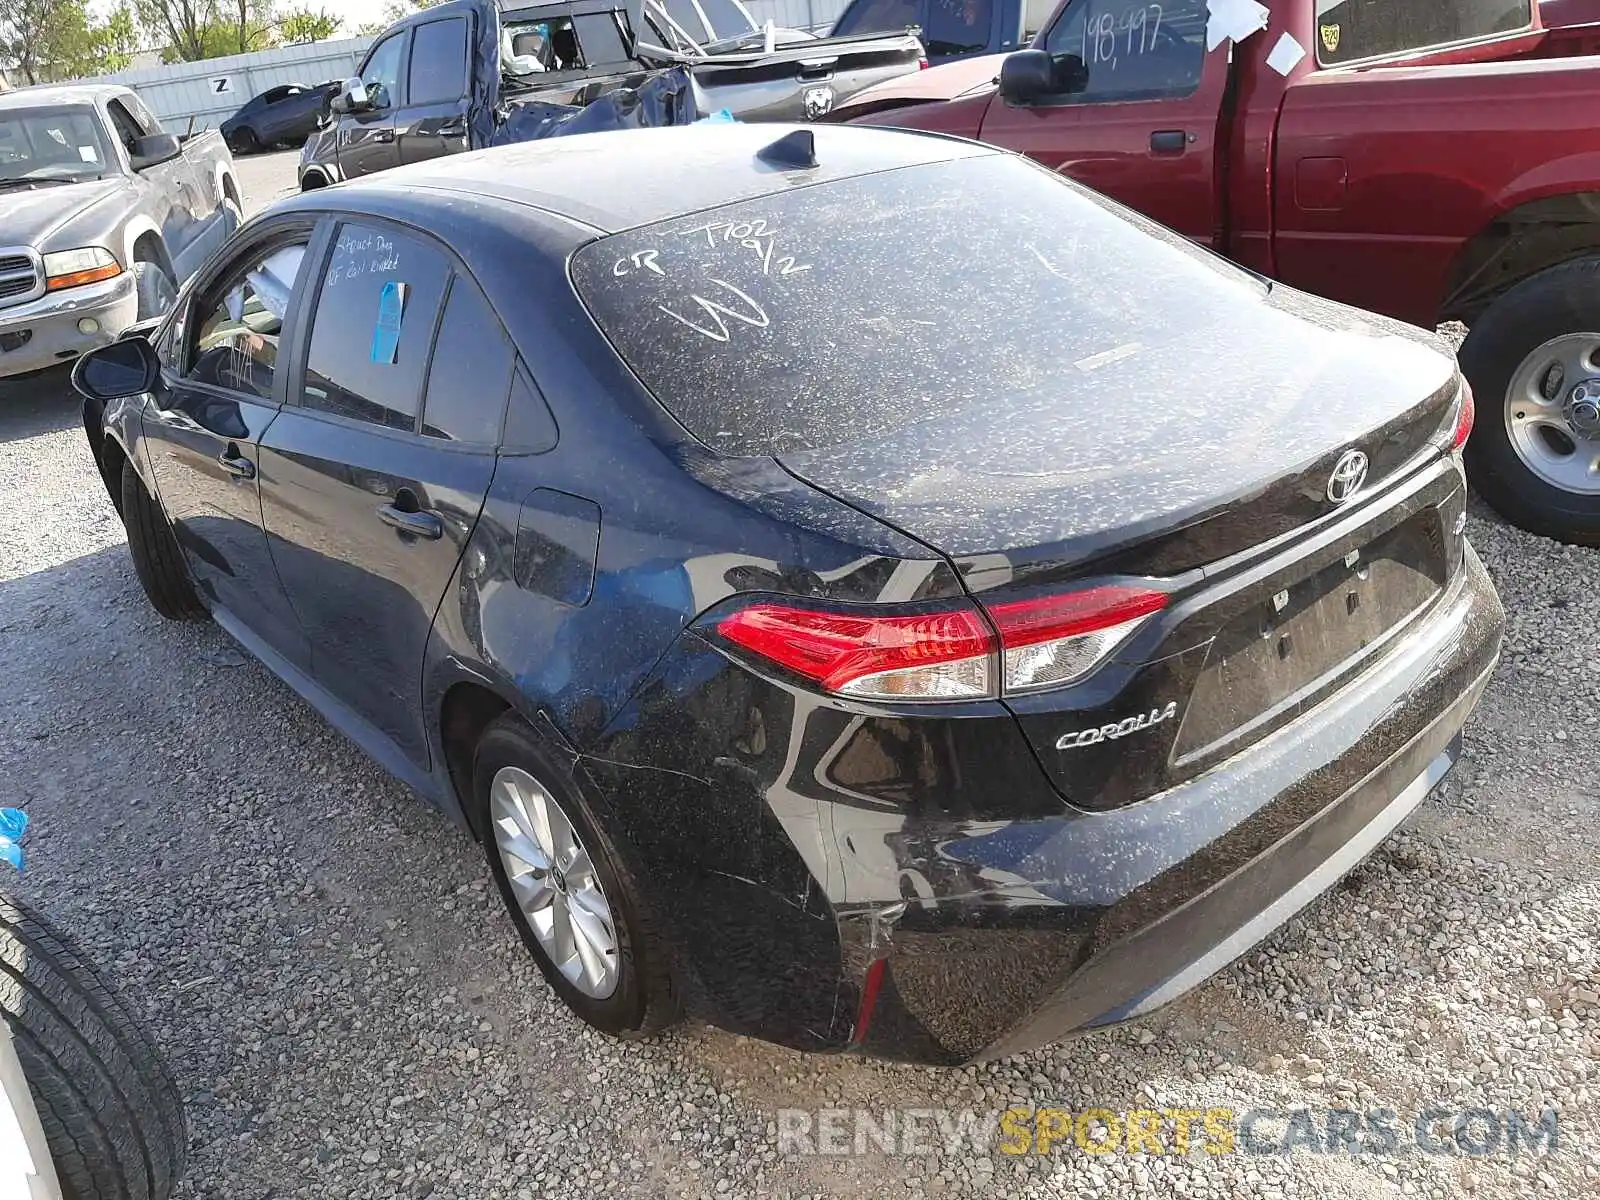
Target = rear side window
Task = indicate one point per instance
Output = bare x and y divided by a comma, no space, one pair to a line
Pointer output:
438,62
1129,50
1348,30
856,309
376,310
470,372
879,16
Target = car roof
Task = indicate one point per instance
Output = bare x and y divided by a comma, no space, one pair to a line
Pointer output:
78,93
626,178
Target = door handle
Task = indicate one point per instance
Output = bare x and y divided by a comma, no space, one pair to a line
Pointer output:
383,135
454,127
236,464
1168,141
417,524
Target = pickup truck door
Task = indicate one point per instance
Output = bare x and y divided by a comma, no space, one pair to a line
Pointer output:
169,191
1140,110
434,119
366,140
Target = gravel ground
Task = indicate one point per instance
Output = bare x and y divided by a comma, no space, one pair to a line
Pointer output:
349,1015
265,177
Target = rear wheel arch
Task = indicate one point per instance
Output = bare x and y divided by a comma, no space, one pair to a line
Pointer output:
466,711
230,190
313,179
1517,245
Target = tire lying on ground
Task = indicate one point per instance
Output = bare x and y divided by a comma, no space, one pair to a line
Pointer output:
111,1113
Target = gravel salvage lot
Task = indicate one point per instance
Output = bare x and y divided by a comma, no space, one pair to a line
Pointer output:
325,963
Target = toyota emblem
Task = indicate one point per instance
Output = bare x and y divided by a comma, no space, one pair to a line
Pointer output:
1349,473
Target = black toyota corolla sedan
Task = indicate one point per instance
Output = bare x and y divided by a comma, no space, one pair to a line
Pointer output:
861,589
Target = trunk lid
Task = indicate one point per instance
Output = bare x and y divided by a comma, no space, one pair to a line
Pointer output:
1168,450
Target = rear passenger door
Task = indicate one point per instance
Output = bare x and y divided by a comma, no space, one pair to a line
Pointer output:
434,121
373,475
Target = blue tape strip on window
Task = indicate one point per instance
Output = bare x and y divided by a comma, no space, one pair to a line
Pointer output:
386,334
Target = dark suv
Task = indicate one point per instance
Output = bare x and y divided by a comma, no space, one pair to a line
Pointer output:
863,622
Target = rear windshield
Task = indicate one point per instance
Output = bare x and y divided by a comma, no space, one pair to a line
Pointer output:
838,312
1348,30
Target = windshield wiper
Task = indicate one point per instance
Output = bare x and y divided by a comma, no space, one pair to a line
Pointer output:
14,180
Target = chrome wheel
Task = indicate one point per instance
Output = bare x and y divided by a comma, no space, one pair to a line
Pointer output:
554,882
1552,413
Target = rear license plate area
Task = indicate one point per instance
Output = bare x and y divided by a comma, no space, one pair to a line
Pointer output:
1282,654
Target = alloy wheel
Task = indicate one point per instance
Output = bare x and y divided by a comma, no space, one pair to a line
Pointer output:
554,881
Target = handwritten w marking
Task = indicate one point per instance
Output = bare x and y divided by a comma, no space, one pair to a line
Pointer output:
718,331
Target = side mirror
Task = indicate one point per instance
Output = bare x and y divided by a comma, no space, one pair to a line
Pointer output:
124,368
153,149
353,97
1029,76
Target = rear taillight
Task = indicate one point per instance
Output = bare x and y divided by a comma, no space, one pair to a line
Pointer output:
1466,413
927,656
951,654
922,63
1054,640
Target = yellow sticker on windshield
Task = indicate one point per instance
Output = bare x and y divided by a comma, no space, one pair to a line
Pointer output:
1330,38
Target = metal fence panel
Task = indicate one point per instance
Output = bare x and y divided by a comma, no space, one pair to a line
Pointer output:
201,95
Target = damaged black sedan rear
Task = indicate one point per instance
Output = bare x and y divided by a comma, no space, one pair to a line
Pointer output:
908,603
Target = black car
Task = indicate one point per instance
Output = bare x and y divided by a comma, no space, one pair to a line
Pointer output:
861,588
282,115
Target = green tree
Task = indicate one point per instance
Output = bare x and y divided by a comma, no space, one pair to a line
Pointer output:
48,40
393,11
191,30
300,25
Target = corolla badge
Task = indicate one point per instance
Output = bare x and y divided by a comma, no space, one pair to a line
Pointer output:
1349,473
1117,729
818,102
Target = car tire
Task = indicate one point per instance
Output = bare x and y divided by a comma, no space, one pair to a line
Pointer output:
1516,456
644,998
157,560
243,141
111,1114
154,288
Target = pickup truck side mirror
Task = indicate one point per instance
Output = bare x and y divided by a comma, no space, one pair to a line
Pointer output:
153,149
124,368
353,97
1028,76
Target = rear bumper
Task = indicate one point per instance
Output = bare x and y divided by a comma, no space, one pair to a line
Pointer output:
834,877
1138,905
45,333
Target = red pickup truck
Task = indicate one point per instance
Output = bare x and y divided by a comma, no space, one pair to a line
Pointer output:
1434,160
